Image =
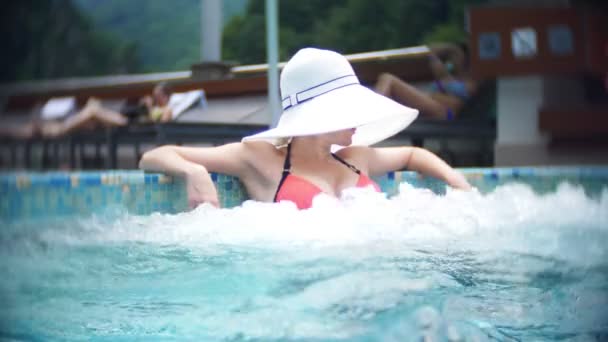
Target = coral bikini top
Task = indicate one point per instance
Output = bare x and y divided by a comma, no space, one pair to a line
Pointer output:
301,191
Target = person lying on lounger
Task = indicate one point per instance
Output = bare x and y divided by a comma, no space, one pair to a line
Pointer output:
94,115
59,116
450,90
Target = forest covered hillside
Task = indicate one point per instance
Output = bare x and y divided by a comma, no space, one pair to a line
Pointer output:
166,33
49,39
46,39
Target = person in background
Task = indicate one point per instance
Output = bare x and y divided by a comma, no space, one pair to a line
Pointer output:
320,145
157,105
451,88
94,115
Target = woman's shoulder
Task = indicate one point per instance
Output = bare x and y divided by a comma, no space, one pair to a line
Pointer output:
357,155
264,162
353,151
260,151
259,147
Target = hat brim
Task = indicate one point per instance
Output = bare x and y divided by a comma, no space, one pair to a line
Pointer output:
375,116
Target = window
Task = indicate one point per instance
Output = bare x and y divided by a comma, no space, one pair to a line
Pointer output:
523,42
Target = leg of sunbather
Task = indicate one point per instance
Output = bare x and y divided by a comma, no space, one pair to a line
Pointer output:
92,116
109,118
18,131
448,101
393,87
51,128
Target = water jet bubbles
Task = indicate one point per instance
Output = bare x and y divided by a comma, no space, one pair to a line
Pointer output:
511,218
427,324
428,319
453,334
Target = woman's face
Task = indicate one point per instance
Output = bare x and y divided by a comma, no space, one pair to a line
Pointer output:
343,137
160,97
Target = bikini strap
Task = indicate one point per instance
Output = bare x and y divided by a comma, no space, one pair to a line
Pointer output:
440,86
350,166
286,171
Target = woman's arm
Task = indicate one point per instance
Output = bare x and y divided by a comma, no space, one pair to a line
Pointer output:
148,102
454,52
194,164
383,160
167,114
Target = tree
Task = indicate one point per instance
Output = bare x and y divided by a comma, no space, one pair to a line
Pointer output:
244,37
348,26
366,25
52,39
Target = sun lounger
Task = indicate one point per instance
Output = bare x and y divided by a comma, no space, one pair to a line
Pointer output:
180,102
198,120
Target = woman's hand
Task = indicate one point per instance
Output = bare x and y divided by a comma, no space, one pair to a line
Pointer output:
147,101
458,181
200,188
193,164
167,115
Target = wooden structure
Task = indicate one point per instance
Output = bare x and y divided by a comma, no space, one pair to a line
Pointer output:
549,43
513,41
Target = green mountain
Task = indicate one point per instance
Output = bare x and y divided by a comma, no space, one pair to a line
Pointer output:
166,33
48,39
102,37
347,26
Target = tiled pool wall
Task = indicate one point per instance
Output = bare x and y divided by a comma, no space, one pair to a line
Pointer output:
44,195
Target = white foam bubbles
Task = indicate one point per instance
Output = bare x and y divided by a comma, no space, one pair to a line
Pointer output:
270,271
511,217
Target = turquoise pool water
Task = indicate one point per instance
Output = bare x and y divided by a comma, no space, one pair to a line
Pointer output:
524,258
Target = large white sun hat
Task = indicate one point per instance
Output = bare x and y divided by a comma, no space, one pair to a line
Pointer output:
321,93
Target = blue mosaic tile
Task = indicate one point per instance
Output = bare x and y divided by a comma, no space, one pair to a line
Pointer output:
91,181
151,179
38,195
59,181
493,176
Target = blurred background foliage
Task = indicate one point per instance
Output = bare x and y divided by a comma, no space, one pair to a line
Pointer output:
348,26
65,38
54,38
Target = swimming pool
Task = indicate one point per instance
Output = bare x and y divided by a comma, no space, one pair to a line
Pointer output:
112,256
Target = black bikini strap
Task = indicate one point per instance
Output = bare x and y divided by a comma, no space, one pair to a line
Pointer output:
287,168
286,171
350,166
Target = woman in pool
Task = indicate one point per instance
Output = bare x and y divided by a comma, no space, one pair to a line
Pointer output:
449,91
325,109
